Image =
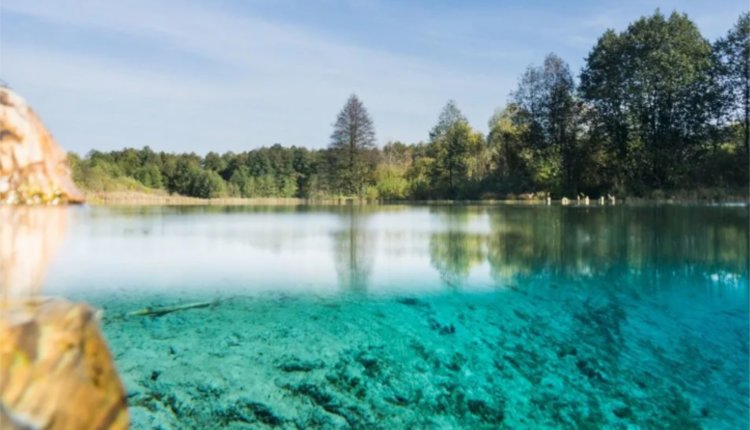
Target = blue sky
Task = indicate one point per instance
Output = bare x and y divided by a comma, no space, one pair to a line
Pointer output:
235,75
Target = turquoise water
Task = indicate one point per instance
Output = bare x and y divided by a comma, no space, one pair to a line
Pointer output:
394,317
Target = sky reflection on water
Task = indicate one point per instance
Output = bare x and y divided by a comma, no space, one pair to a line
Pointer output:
383,249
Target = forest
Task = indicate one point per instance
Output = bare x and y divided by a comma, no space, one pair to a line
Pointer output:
656,109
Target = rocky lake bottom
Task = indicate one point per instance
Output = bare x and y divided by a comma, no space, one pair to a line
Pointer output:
535,355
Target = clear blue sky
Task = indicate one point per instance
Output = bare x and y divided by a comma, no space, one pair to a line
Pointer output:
234,75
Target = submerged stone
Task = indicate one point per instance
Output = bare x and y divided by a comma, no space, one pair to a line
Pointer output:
249,411
295,364
413,301
487,413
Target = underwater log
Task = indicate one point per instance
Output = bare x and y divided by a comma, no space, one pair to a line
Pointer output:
157,312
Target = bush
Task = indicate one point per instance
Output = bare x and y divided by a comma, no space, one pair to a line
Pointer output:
207,184
392,188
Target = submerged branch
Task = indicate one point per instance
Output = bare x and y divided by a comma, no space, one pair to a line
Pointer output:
157,312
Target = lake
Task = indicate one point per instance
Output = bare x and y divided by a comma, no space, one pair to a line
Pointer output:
435,317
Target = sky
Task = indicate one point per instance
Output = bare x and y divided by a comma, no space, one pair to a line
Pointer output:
233,75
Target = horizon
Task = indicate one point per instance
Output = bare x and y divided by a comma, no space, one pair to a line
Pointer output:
238,76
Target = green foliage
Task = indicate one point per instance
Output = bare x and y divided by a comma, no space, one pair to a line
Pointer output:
506,144
546,114
732,53
391,184
265,172
149,175
732,64
451,142
207,184
648,86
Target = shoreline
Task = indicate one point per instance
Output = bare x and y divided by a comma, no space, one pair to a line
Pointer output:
148,199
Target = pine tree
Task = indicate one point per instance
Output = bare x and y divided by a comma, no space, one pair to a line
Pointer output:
352,144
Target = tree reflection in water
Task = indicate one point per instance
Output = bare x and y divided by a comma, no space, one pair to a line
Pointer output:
353,248
647,246
456,250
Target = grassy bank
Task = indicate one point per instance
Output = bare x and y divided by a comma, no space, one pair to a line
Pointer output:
158,197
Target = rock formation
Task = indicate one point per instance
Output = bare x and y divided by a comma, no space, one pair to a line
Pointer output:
55,369
33,168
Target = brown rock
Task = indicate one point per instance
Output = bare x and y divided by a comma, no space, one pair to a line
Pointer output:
55,369
33,168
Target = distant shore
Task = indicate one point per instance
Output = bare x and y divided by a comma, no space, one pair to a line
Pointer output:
116,198
138,198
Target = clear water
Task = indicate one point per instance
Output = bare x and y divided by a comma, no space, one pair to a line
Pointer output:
421,317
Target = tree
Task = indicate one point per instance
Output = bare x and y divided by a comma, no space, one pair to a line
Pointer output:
449,116
602,88
479,162
450,142
243,182
148,156
128,160
649,87
733,55
180,175
506,141
547,114
215,162
561,108
149,175
352,142
419,174
306,164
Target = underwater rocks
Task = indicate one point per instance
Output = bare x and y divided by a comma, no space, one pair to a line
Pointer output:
487,413
55,369
582,361
414,302
354,415
294,364
603,317
259,412
441,328
33,168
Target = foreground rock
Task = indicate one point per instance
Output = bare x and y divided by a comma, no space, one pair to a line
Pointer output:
33,168
56,371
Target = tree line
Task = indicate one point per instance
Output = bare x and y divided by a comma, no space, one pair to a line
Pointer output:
655,108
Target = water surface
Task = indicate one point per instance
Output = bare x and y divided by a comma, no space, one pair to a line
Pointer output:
421,317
